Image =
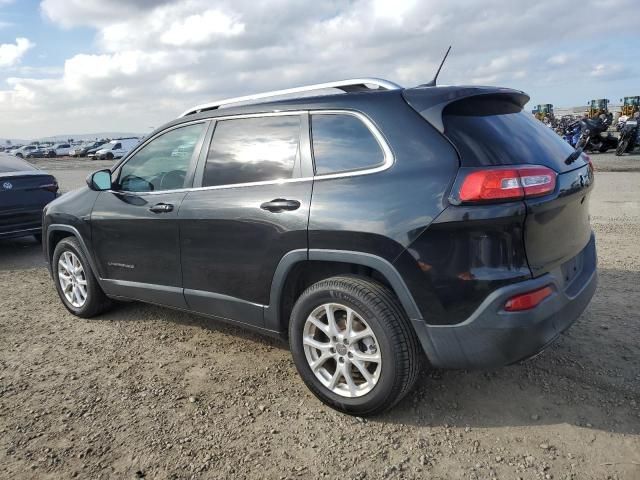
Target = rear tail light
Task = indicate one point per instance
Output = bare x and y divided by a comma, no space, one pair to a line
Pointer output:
587,159
507,183
527,301
52,187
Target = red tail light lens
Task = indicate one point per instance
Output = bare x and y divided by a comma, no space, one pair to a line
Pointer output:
587,159
527,301
52,187
507,183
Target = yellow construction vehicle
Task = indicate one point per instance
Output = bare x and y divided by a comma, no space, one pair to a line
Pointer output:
630,105
542,111
598,107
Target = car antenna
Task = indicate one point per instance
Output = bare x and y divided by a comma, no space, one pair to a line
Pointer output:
432,83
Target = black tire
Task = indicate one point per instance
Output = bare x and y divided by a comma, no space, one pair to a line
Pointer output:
19,155
622,146
96,301
109,156
399,349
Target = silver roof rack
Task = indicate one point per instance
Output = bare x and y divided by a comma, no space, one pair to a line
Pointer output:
352,85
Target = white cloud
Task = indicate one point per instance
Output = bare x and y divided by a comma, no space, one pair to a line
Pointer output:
152,59
201,29
11,53
559,59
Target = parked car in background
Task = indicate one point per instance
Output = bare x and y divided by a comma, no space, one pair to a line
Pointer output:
371,228
83,149
38,153
24,191
25,150
59,150
115,149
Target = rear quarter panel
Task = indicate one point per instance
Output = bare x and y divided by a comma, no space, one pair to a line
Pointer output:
383,213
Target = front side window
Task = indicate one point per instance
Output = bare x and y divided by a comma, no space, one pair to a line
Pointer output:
155,167
341,143
246,150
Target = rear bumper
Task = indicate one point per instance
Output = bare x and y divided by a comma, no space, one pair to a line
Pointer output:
492,337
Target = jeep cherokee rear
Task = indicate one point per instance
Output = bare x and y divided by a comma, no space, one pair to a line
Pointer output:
361,226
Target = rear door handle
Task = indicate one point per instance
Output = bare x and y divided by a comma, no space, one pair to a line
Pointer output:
161,208
280,204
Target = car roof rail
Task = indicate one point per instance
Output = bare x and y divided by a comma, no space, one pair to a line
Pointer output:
347,86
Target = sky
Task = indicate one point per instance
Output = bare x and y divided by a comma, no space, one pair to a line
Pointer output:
85,66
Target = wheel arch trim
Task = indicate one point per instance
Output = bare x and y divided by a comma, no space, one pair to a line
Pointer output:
58,227
272,311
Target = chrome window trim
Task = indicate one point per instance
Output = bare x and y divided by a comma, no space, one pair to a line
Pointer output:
389,158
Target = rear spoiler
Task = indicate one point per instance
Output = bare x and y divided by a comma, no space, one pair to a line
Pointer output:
430,102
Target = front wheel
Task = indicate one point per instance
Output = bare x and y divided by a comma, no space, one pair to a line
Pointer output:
109,156
76,285
353,345
622,146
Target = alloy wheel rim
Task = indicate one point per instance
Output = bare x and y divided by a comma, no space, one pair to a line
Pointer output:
341,350
72,278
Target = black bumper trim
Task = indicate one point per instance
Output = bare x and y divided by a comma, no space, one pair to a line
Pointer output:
492,337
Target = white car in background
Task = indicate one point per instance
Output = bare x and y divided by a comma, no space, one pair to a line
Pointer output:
115,149
25,150
59,150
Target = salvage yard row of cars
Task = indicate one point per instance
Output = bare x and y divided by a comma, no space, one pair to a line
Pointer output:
95,150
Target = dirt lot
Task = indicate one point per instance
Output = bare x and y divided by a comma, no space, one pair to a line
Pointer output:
149,392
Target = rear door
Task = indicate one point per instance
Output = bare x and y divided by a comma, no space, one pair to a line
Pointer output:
134,226
492,130
251,208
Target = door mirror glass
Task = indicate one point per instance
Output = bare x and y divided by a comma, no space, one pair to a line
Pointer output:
100,180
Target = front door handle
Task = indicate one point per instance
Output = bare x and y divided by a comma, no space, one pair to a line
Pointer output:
280,204
161,208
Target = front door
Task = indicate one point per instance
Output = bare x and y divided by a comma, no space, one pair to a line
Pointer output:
134,226
252,208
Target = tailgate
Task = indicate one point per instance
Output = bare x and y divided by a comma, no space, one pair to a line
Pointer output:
557,229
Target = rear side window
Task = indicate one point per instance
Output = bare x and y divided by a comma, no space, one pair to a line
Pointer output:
247,150
492,131
342,143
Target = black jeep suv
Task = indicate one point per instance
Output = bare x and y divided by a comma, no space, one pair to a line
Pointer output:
373,227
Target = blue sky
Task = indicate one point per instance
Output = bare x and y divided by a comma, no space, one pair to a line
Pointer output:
83,66
23,18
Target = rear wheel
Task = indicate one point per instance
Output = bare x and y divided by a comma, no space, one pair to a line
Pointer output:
353,345
76,285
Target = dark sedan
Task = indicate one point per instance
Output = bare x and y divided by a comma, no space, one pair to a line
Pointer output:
24,191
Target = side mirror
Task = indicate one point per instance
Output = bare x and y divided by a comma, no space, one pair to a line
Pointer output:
100,180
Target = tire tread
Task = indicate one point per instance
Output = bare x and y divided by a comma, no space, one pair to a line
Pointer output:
408,355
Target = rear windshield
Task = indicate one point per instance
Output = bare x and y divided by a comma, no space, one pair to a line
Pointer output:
14,164
491,131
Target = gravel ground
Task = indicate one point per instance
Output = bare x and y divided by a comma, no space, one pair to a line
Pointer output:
147,392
